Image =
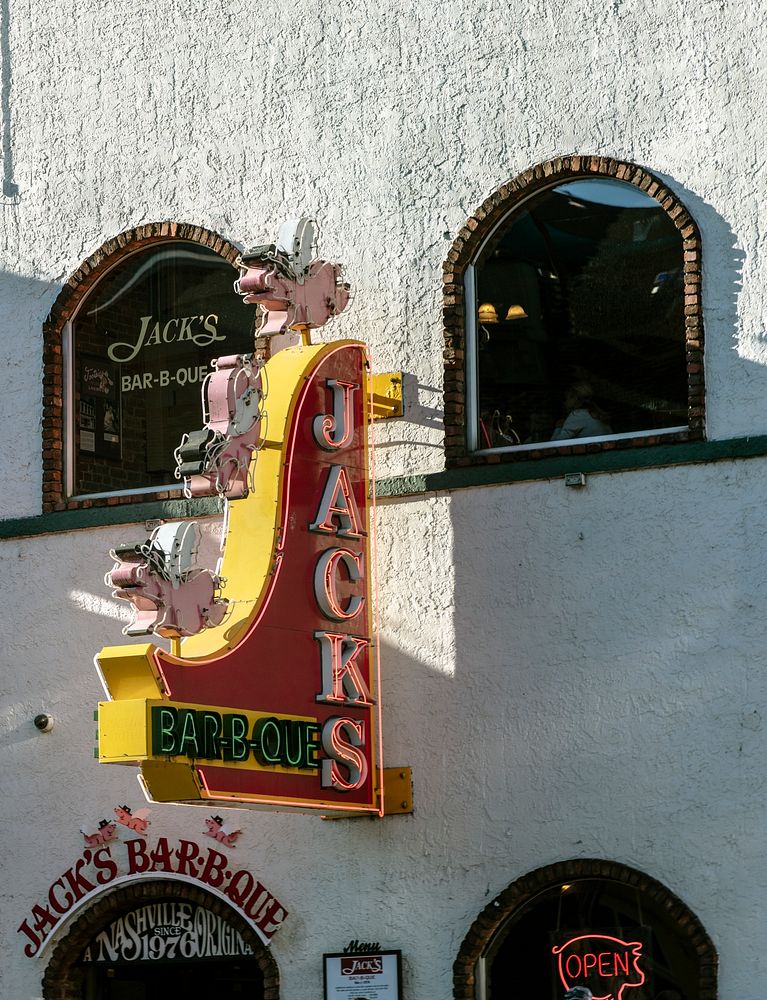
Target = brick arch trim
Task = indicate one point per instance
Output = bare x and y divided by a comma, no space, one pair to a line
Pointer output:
464,249
63,978
75,288
520,892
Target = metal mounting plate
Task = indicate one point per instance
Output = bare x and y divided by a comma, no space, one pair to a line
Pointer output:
398,791
397,795
387,395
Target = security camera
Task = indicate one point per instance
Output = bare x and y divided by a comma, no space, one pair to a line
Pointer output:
44,723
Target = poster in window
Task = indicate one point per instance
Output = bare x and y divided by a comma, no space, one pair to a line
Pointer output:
87,425
363,977
100,432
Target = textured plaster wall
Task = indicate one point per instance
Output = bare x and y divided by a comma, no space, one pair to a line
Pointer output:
389,122
569,673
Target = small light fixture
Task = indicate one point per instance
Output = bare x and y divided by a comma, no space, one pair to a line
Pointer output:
43,723
516,312
488,313
567,886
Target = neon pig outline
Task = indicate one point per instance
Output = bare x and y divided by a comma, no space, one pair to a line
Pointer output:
634,946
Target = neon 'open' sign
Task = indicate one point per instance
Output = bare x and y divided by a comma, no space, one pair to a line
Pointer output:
604,964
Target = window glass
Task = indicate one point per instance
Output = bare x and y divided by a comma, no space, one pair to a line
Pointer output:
580,319
595,935
143,340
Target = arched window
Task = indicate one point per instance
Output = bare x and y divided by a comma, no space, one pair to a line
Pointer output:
573,316
127,346
595,926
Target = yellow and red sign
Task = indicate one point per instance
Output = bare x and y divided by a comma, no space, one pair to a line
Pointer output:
278,705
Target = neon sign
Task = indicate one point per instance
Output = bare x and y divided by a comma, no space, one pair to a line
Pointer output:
601,963
275,703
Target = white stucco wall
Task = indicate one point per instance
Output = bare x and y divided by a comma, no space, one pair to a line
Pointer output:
390,123
569,673
587,680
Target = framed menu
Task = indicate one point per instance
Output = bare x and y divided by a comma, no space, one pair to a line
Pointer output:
373,976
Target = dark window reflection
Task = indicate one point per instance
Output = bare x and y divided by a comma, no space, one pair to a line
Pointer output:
589,921
580,318
143,342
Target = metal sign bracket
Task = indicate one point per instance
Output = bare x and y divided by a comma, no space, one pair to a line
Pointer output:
386,390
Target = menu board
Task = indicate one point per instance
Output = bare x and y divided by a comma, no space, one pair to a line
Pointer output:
374,976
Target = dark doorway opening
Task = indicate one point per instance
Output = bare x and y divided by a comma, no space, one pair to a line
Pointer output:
200,980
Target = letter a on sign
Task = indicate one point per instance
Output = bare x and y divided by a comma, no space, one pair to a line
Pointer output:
296,573
338,505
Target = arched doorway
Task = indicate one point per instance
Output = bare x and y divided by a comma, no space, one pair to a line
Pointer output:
150,940
602,927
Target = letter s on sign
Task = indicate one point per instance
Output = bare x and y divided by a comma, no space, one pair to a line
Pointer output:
106,867
340,741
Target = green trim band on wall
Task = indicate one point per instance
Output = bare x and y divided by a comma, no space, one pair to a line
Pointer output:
615,460
98,517
497,474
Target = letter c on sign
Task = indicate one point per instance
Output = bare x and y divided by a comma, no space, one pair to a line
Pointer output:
325,581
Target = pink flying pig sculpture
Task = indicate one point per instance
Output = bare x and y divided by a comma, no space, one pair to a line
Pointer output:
134,821
171,594
295,291
217,459
220,831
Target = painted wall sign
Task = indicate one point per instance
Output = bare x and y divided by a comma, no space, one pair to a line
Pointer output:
167,931
136,858
604,964
370,976
276,706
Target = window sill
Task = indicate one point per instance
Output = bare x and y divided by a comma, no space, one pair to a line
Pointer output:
81,516
459,458
126,499
496,470
629,440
